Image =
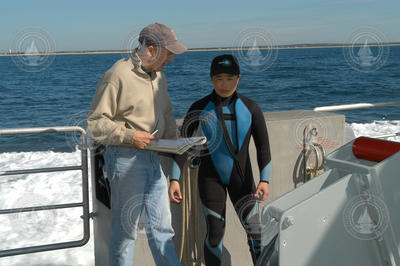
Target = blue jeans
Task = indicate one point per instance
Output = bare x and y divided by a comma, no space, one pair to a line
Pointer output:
139,198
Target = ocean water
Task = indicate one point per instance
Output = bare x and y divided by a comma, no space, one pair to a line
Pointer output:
299,79
61,95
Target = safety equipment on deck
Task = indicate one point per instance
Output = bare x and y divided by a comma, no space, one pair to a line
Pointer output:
375,150
313,153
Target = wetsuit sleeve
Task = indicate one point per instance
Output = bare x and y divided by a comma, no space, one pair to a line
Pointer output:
189,127
175,171
261,141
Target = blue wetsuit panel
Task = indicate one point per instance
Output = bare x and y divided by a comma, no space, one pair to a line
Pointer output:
265,173
220,155
244,120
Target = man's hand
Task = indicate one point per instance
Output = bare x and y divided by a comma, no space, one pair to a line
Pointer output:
262,191
141,139
174,191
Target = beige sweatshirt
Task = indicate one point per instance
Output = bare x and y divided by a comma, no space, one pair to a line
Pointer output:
128,99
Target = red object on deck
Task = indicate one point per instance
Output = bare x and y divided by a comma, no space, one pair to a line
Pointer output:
375,150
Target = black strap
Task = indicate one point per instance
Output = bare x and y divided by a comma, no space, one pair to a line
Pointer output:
236,127
225,133
229,116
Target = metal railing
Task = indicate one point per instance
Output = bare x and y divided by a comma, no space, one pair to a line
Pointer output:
353,106
359,106
387,136
85,190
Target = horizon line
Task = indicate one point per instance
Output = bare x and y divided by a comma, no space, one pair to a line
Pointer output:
276,47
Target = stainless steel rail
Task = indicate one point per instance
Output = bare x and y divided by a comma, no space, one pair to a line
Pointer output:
353,106
85,190
41,170
387,136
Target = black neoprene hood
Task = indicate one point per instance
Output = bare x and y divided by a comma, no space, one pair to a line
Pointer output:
226,63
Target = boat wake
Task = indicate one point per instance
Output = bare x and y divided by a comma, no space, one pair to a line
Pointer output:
45,227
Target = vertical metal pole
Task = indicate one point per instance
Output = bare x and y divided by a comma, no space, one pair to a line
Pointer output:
85,188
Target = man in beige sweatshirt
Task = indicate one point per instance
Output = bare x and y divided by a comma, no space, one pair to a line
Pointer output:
131,102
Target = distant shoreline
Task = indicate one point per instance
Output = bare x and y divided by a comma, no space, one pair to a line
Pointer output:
281,47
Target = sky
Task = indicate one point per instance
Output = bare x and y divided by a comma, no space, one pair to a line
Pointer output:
107,25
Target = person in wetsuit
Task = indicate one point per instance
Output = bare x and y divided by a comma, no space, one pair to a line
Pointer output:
228,120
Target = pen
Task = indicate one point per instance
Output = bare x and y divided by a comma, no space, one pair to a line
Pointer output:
154,132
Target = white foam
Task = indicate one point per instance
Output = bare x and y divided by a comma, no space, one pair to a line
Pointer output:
65,187
43,227
377,128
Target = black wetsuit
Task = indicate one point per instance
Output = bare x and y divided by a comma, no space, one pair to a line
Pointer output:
228,124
